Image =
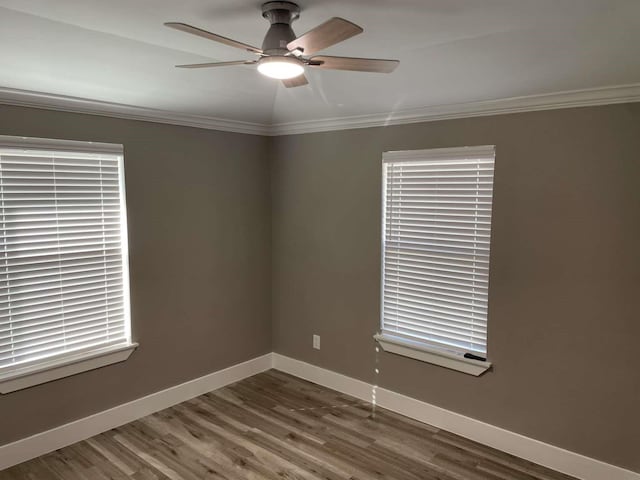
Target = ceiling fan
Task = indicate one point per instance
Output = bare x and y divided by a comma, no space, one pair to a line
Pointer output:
285,56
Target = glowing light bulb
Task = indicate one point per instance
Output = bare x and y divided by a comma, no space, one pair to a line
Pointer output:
280,67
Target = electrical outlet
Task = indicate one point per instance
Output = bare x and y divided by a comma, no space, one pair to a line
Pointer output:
316,342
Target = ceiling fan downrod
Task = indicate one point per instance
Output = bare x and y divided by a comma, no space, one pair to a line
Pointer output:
280,15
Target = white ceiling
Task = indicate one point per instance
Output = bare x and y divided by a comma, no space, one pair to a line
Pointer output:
451,51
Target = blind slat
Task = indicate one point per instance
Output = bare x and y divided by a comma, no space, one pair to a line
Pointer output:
403,261
55,302
428,315
67,288
470,335
465,310
37,324
54,336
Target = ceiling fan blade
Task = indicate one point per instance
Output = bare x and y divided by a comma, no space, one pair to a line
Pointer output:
183,27
329,33
218,64
298,81
375,65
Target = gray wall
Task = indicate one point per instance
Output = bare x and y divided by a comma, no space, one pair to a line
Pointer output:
564,321
565,272
199,237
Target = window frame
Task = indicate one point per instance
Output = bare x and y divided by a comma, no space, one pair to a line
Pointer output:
70,363
424,350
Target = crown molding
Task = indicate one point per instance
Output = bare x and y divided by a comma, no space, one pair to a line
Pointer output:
48,101
569,99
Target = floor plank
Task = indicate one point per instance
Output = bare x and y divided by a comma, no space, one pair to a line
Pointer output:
277,427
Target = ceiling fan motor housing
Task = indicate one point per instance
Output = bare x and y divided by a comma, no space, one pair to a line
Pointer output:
280,15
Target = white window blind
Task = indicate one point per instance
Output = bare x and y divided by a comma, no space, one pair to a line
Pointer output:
63,257
436,239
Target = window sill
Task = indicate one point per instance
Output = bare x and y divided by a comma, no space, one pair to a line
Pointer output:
47,371
433,355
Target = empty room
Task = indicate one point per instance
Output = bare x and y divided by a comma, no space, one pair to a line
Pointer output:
320,240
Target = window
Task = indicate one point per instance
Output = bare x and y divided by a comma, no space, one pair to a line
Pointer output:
64,304
435,243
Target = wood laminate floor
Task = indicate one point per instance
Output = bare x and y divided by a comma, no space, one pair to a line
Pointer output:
274,426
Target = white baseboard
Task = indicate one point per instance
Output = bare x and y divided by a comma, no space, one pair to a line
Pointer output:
50,440
533,450
524,447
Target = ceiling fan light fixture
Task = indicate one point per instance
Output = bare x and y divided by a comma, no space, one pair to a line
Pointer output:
280,67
